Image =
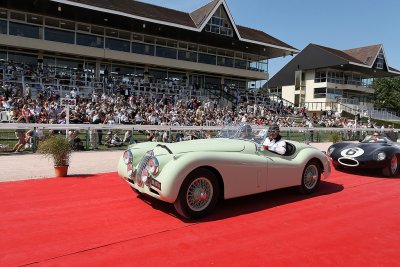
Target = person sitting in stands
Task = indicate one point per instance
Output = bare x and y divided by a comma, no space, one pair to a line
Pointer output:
25,114
43,115
274,141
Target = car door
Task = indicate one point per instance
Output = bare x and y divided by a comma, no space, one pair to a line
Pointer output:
243,175
282,172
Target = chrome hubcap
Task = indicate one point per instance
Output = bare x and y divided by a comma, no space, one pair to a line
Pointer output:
310,176
199,194
393,164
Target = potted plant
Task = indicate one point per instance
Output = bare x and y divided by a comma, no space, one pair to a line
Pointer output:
58,149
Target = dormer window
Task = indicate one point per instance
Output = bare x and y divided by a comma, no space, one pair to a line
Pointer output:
380,60
220,23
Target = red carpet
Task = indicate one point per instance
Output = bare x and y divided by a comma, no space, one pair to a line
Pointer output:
99,221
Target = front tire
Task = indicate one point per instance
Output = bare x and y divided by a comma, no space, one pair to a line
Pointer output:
392,168
198,195
311,177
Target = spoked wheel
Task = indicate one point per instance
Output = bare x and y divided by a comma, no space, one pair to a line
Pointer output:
311,177
198,194
392,168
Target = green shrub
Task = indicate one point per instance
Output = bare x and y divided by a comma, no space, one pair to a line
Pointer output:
56,148
335,137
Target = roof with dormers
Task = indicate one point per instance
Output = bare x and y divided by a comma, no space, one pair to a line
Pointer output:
365,55
315,56
194,21
200,15
339,53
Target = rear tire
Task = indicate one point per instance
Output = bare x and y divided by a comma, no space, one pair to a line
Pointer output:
198,195
311,177
392,168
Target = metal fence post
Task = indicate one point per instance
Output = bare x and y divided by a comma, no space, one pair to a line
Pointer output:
87,138
132,139
34,148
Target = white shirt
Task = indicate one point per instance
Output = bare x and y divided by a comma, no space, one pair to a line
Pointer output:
124,118
275,146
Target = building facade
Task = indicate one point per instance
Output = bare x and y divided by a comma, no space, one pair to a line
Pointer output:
322,78
93,38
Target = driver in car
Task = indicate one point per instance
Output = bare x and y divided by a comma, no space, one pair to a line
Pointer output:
376,137
274,141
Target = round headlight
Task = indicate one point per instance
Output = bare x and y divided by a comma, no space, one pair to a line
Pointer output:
330,150
381,156
128,157
144,176
129,169
152,166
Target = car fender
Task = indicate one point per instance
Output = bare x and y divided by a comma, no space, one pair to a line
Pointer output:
307,154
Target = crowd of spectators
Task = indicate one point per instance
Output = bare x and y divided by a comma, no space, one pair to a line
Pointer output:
114,104
117,105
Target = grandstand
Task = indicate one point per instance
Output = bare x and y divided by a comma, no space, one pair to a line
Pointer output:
60,45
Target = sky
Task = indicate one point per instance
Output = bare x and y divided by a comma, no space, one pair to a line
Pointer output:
339,24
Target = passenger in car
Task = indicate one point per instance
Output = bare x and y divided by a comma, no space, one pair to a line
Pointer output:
274,141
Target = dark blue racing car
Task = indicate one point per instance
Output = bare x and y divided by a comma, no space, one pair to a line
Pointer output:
376,151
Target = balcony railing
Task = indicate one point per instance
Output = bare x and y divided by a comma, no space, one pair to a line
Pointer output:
105,42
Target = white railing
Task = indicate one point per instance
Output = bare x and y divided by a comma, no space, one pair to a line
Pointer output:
383,115
138,127
88,133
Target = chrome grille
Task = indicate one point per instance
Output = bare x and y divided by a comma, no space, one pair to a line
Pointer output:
143,163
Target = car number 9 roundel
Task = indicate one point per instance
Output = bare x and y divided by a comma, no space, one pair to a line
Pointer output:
353,152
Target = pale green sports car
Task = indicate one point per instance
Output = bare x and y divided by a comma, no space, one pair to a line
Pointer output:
194,175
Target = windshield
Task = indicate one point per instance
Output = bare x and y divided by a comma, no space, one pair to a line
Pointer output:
244,131
381,138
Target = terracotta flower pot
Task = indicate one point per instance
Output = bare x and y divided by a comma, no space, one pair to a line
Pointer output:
61,171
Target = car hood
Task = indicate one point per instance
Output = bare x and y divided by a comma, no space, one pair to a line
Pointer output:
203,145
368,148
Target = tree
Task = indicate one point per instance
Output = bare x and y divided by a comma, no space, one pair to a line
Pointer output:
387,93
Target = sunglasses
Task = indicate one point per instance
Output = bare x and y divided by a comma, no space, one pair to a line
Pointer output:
272,132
